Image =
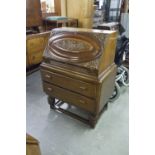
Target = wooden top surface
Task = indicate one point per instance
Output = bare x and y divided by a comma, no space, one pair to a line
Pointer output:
109,24
31,140
69,29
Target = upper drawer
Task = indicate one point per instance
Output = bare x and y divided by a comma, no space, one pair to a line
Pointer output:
81,87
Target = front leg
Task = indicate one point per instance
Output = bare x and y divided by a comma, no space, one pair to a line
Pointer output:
93,120
51,102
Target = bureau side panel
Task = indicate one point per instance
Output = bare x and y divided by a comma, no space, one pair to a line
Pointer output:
106,88
107,58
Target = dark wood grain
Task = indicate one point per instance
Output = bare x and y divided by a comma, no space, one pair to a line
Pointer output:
86,81
69,96
33,13
32,146
35,45
81,87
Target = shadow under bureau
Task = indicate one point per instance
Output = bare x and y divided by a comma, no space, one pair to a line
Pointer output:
78,68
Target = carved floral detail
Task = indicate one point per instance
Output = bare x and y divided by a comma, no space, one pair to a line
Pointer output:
73,45
91,64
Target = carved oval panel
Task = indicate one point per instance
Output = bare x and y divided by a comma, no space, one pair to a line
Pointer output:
74,47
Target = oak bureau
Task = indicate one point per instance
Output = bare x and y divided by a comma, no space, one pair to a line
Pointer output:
78,68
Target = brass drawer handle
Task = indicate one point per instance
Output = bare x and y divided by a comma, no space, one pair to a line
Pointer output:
83,102
50,89
83,88
47,76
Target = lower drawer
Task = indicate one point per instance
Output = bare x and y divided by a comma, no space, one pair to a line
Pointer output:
69,97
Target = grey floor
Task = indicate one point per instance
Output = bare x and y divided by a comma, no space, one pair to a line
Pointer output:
60,134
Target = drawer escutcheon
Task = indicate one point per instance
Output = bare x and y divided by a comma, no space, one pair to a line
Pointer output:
83,88
47,76
50,89
83,102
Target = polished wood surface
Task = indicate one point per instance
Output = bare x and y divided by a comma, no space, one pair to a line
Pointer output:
81,87
36,37
100,43
78,68
80,9
33,13
70,97
35,45
57,6
74,48
32,146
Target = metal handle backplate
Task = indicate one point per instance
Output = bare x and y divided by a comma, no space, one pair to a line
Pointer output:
83,88
50,89
47,76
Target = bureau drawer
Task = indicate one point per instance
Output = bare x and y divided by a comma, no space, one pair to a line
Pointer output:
70,97
86,89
